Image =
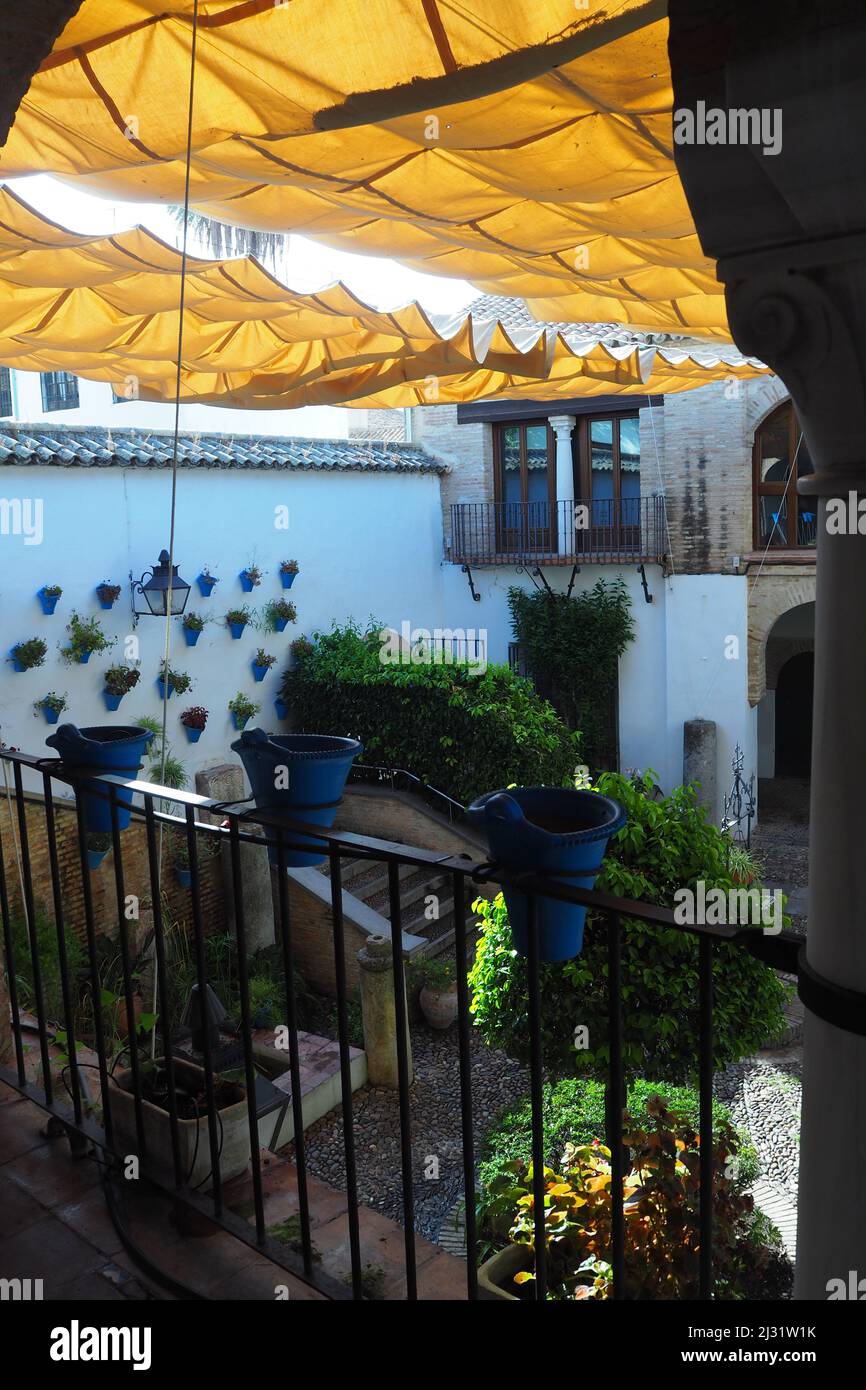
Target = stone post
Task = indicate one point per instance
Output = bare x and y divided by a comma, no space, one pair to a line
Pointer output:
562,426
700,745
226,783
376,974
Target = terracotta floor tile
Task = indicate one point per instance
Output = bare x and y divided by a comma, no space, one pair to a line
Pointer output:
88,1217
20,1123
50,1251
52,1175
18,1209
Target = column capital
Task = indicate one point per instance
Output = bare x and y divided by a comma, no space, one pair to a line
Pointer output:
562,423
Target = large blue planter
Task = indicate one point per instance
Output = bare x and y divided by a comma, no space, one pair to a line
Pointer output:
548,830
192,634
259,671
206,586
237,630
288,578
48,601
112,702
116,749
317,766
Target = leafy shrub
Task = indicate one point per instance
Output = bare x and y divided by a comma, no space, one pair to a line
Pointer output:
571,648
85,635
29,654
49,966
662,1219
574,1113
665,845
464,732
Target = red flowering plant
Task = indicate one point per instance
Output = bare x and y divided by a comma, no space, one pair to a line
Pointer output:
195,717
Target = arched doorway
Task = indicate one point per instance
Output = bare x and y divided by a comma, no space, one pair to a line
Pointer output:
794,687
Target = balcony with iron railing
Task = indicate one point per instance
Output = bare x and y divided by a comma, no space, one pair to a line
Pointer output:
590,531
85,1104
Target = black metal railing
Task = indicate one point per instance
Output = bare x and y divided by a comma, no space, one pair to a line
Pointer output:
616,530
234,825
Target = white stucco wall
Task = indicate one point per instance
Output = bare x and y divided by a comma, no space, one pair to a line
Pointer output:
366,543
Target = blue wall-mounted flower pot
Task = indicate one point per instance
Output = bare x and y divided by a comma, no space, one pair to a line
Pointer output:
238,722
112,702
280,624
317,766
183,876
114,749
259,671
280,707
288,578
15,663
51,715
548,830
160,685
105,602
193,735
83,658
191,634
206,586
246,583
48,601
95,858
237,630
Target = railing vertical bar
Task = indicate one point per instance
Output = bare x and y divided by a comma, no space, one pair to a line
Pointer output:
246,1022
162,1001
62,954
536,1092
294,1058
126,966
705,966
615,1098
400,1017
95,982
345,1070
458,890
214,1141
30,914
11,971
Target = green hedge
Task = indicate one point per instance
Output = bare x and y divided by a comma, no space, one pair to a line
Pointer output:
463,732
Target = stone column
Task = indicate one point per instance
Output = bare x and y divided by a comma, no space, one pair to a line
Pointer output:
700,749
226,783
788,231
376,974
562,426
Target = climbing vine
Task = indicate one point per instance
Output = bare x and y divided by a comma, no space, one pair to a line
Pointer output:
571,648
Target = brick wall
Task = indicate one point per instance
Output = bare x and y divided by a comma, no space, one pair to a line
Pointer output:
102,879
467,450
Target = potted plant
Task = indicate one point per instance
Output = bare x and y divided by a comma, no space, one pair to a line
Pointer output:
317,765
288,570
117,750
85,637
180,859
48,596
107,593
194,720
195,1159
192,628
438,998
262,663
206,582
280,707
119,680
250,578
279,612
171,682
52,706
542,830
236,621
24,656
242,710
300,648
98,844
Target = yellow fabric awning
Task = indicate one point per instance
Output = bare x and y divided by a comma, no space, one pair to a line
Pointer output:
524,145
107,308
